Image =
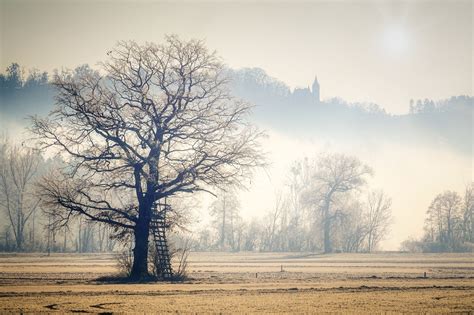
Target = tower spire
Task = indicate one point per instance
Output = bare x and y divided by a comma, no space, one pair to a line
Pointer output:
316,89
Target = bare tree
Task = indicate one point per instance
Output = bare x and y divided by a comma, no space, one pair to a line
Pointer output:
468,210
225,210
444,216
297,182
448,224
85,236
352,228
377,218
18,168
334,175
158,121
252,236
275,226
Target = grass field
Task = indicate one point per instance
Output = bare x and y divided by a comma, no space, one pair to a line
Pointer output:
245,282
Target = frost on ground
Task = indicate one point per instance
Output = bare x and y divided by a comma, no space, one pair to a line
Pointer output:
245,282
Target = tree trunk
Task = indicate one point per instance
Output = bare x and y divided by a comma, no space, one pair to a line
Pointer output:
65,240
369,246
327,225
33,232
49,235
223,224
327,236
19,231
140,251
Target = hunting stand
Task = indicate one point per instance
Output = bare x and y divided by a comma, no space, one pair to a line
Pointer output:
158,226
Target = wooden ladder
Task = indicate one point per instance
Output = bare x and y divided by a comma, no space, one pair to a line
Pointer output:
158,229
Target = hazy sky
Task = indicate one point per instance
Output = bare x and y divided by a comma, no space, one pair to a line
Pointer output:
381,51
411,175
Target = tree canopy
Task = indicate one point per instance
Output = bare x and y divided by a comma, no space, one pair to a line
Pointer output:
155,122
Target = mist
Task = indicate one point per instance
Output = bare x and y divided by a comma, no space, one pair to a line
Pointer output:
414,156
250,156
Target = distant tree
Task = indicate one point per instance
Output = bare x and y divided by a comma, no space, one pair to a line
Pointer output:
412,106
13,79
334,175
448,224
36,79
362,225
225,210
411,245
352,230
297,181
444,218
156,122
257,82
252,237
275,225
204,239
467,213
18,169
85,236
106,242
377,218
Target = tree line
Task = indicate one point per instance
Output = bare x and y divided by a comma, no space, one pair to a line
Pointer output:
27,225
325,207
449,224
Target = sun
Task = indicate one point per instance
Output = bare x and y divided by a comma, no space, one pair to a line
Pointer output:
396,41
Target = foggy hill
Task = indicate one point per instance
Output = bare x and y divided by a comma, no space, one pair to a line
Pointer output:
442,123
445,123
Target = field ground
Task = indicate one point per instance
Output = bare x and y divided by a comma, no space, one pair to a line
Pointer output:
245,282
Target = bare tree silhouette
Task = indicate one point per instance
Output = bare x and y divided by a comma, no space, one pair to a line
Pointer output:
156,122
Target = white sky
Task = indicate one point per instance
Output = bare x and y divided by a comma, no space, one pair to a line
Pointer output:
381,51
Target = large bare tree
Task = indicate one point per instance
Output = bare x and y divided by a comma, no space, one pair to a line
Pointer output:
156,121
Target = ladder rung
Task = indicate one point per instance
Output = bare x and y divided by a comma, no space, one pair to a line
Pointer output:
158,226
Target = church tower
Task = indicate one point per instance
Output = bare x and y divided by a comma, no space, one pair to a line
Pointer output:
315,90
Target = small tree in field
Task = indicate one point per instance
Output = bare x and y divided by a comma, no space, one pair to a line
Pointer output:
156,122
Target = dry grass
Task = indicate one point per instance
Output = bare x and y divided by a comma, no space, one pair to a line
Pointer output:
228,283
